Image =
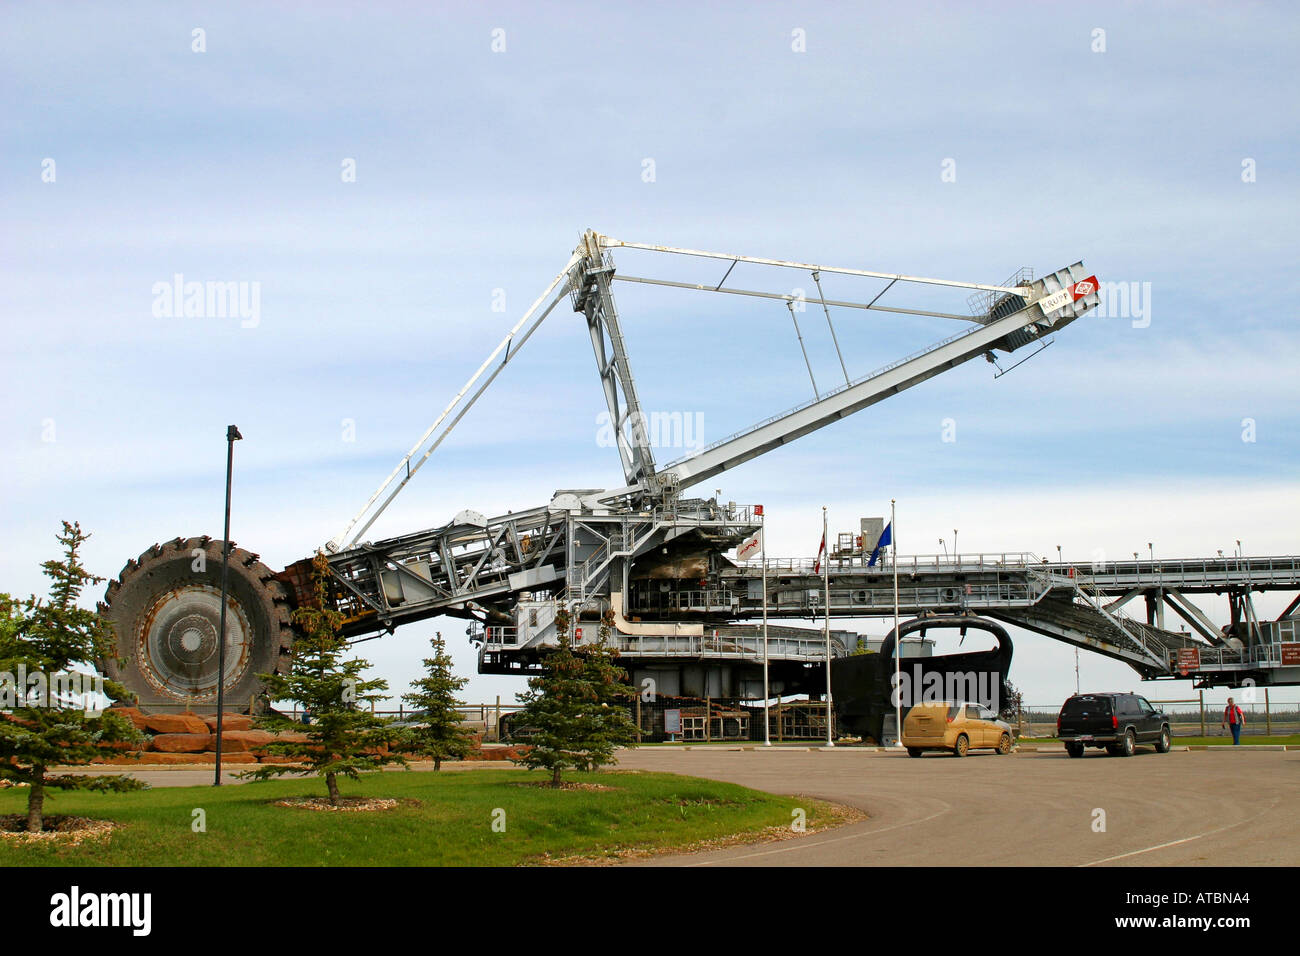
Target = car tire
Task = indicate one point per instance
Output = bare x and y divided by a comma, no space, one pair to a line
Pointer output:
1004,744
961,747
1129,745
914,751
1074,750
1163,742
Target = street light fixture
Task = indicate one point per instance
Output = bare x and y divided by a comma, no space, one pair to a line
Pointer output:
232,436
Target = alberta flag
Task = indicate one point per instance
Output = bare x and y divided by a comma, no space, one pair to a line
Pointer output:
886,539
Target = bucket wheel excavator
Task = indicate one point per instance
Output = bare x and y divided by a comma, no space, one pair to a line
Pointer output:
585,549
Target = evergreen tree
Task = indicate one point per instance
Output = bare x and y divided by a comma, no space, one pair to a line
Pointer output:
40,643
343,738
577,705
1012,702
440,735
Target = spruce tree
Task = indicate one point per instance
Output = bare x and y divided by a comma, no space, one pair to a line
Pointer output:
577,706
344,738
440,734
41,641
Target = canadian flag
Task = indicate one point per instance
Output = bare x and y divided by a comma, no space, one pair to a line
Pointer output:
821,551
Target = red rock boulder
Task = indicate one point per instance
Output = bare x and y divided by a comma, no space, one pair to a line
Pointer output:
245,741
229,722
239,758
132,714
181,743
176,724
167,760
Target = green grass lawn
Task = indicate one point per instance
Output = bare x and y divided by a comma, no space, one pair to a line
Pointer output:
451,825
1289,739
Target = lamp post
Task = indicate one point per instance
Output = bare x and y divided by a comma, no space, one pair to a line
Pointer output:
826,618
767,689
232,436
898,642
1061,561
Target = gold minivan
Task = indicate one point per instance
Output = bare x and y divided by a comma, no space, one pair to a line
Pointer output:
957,728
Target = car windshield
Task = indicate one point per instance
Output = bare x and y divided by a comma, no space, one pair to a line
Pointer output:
1079,706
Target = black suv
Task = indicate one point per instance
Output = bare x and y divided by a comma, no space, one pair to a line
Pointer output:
1118,722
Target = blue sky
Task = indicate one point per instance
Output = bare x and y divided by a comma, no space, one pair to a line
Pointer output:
477,171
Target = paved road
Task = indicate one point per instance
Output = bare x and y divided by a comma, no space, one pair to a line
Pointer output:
1227,806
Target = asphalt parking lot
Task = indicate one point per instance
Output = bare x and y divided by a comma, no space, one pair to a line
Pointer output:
1221,807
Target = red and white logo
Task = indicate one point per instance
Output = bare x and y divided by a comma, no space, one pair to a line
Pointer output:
1083,287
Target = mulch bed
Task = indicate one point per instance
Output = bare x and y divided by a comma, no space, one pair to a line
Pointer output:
346,804
63,830
565,785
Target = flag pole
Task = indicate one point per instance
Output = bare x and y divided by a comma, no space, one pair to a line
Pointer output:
898,642
767,692
826,627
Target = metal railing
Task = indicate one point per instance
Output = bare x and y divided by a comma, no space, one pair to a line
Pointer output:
749,647
1251,655
1117,618
499,635
907,564
1196,572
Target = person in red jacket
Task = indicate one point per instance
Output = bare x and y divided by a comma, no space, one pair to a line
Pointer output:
1234,719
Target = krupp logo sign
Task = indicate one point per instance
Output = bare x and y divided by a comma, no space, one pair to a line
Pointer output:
1071,293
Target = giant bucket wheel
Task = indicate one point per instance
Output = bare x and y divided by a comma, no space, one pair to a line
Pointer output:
166,610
